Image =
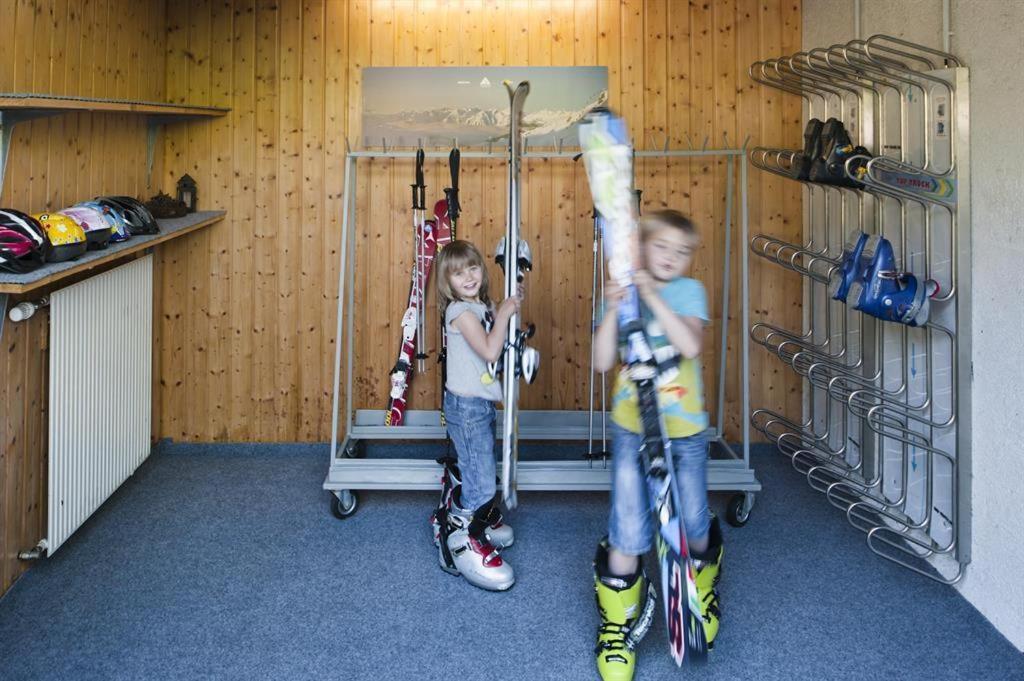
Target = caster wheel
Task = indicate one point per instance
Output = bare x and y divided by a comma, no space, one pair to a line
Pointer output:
344,504
355,449
737,513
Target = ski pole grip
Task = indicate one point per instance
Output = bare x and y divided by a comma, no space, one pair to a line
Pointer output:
453,166
419,167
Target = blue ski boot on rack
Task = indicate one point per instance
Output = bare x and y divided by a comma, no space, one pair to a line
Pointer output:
889,294
852,265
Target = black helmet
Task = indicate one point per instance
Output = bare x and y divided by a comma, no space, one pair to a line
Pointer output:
138,217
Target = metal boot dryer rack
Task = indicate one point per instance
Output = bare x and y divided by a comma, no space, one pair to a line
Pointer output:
349,471
886,429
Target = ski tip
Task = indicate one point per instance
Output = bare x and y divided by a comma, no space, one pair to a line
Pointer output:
696,642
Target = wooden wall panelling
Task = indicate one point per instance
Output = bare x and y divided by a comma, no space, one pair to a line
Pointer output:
381,244
172,258
767,375
8,16
218,237
335,118
289,221
23,457
311,273
242,218
585,31
63,47
789,304
724,132
749,100
674,68
358,30
265,234
560,229
537,224
199,333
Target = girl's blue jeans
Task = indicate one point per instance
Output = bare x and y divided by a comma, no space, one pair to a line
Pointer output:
470,422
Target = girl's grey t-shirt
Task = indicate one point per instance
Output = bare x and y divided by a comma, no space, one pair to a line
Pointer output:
467,371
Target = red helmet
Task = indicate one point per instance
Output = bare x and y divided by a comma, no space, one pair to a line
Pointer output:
22,242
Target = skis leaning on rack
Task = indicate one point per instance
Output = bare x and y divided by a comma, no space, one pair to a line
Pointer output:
428,237
514,257
608,158
446,212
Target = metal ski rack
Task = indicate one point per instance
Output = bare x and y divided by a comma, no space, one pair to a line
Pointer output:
348,471
885,433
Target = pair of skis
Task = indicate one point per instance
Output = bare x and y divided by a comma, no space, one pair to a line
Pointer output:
429,237
514,257
608,158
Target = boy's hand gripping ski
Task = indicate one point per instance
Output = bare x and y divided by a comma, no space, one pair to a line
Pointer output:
608,157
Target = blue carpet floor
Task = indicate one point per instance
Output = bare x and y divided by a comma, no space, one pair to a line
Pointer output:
224,562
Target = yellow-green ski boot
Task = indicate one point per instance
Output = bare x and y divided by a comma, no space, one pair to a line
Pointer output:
707,571
626,605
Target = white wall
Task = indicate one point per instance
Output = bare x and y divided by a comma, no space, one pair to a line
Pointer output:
987,38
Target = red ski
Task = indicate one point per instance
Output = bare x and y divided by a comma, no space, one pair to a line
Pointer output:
431,236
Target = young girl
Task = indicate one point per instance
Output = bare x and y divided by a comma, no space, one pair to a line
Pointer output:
468,528
674,311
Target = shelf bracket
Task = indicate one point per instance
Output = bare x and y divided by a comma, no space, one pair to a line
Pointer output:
3,312
8,119
152,125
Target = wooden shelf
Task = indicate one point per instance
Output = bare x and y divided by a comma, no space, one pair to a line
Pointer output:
42,102
54,272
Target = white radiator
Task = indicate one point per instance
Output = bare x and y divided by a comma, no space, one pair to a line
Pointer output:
101,333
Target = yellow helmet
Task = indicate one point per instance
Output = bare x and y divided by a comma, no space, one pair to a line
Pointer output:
66,237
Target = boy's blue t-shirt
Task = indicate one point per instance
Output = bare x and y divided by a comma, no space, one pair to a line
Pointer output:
682,399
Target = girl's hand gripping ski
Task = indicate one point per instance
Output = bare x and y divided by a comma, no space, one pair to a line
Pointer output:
514,253
608,157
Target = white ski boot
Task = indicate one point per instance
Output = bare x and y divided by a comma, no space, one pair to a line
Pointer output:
497,531
470,553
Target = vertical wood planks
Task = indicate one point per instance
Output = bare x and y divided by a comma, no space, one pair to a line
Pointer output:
199,333
288,222
265,232
675,69
218,194
311,227
242,218
335,116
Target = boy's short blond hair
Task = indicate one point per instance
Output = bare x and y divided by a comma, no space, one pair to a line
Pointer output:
652,222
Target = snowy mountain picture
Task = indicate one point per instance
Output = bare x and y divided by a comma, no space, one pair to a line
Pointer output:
434,106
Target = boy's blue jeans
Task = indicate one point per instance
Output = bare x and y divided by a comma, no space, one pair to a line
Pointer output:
631,526
470,423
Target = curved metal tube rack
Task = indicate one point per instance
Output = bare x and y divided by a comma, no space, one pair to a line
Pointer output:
885,433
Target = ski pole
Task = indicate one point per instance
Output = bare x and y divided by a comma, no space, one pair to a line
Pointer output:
452,193
418,206
604,374
593,323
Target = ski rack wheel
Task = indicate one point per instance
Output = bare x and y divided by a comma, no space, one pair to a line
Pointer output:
737,513
344,503
355,449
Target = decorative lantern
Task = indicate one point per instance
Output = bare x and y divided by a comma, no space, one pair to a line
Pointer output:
187,192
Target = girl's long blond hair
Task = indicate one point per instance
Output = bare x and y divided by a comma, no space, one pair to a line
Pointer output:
456,256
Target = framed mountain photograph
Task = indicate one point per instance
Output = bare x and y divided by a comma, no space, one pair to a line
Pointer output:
438,106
